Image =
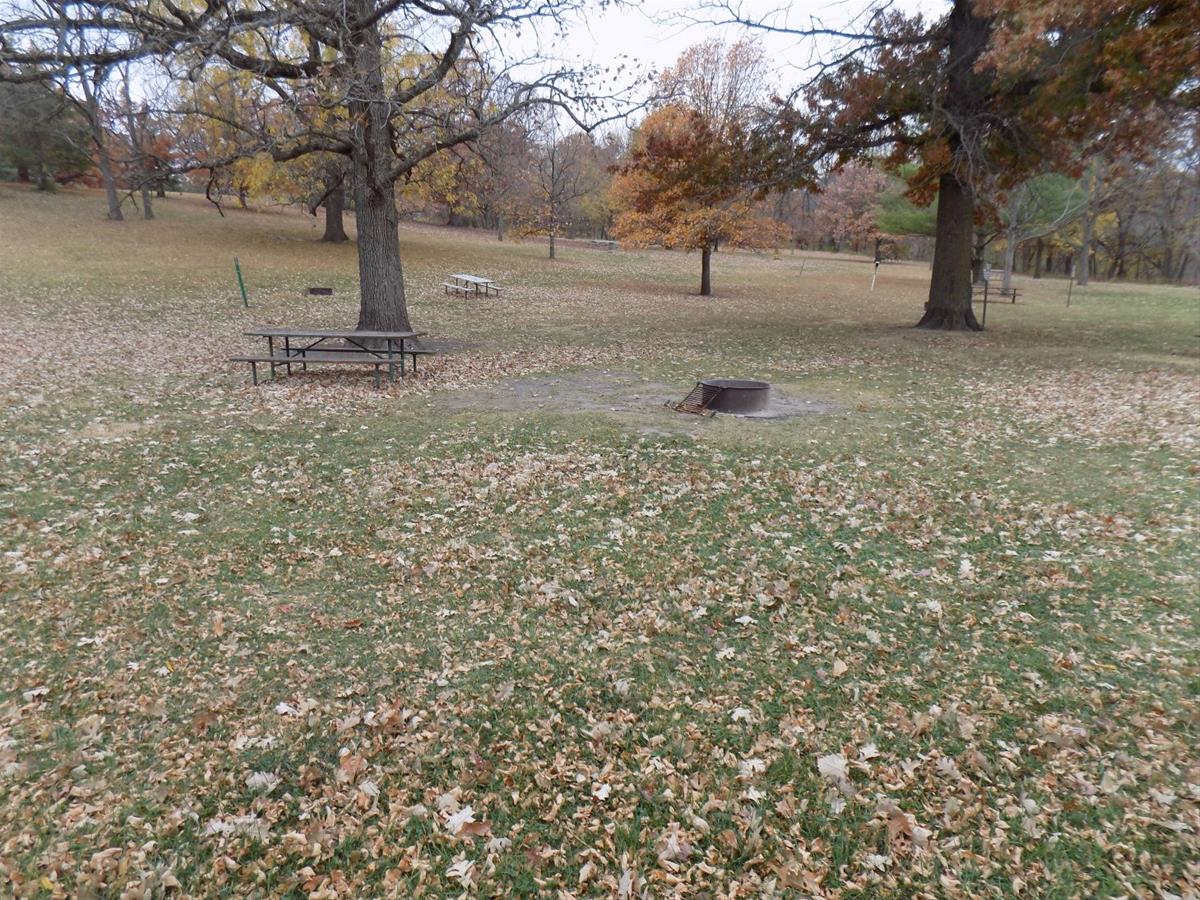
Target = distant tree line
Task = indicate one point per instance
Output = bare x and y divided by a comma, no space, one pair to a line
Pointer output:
1129,217
1044,136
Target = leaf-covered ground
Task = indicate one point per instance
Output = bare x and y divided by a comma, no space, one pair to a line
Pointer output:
939,638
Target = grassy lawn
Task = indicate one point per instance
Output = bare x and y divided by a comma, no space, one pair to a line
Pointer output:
936,637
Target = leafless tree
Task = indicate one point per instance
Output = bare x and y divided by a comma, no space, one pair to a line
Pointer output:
558,176
385,83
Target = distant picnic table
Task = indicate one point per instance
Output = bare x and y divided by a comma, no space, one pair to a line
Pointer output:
378,349
606,244
463,283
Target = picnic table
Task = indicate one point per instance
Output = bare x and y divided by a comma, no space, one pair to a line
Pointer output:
463,283
606,244
370,348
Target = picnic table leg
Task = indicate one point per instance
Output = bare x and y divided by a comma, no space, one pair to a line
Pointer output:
391,365
254,371
377,376
287,351
271,352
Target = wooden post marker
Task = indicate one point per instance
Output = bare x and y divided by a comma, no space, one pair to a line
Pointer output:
241,284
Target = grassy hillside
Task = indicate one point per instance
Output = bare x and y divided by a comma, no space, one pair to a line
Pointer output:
512,627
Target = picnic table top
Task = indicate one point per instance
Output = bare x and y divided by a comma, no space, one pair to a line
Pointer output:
331,333
473,279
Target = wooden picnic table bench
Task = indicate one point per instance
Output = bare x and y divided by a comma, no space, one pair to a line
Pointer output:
606,244
359,348
465,284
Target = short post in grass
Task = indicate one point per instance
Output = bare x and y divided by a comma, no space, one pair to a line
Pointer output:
875,274
1070,287
237,267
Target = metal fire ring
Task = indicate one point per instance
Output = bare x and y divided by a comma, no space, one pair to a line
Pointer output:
736,395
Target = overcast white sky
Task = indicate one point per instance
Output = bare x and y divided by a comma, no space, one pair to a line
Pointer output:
655,32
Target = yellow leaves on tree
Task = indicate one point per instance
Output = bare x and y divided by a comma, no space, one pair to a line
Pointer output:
687,187
445,181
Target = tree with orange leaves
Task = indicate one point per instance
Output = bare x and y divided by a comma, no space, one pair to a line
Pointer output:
980,99
684,188
691,180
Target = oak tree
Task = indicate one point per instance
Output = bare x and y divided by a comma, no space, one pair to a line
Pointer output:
329,66
43,139
685,187
979,99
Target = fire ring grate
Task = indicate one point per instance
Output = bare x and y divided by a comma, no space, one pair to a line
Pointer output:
734,396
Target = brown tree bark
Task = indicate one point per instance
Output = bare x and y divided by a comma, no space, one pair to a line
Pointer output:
104,164
382,305
949,305
335,205
91,108
706,272
977,253
1083,265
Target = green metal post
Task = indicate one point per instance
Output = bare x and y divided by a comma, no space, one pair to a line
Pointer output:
241,284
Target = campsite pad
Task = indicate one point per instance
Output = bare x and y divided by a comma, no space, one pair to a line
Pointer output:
623,394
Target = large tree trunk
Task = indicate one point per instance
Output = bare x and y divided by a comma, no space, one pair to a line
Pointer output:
706,272
1083,266
382,305
335,204
499,228
104,164
977,253
103,158
147,208
1037,260
949,304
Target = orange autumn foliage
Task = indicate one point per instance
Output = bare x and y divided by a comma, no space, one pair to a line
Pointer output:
685,188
